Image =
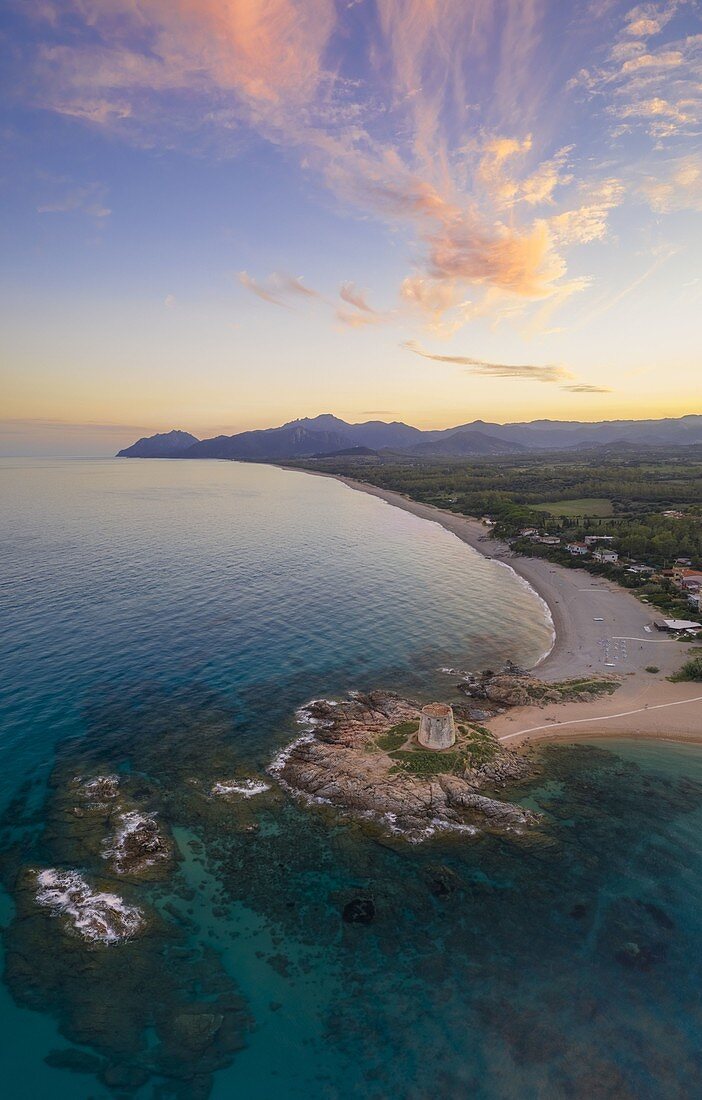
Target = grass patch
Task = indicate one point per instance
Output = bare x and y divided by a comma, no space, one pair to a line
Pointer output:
426,763
395,737
583,506
652,668
569,689
691,670
475,746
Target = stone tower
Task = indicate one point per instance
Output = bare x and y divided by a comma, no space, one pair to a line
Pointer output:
436,727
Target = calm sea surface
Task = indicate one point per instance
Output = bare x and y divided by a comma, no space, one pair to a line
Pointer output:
163,620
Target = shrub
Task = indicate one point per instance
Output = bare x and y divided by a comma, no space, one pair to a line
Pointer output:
691,670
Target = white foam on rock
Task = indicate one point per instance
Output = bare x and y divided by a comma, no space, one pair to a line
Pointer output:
98,917
131,823
309,723
247,788
100,789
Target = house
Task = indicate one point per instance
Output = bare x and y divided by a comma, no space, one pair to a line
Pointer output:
527,531
547,540
686,578
589,539
577,549
672,513
641,569
675,626
694,599
606,557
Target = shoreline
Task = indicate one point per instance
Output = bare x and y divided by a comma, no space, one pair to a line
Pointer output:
599,629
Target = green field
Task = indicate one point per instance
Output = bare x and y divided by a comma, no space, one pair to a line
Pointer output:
585,506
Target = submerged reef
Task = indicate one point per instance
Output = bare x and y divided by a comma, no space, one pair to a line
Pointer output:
101,937
551,958
362,755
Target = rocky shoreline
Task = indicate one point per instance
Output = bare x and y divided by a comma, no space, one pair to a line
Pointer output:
360,755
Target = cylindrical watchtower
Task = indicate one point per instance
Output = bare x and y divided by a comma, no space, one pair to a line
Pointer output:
436,727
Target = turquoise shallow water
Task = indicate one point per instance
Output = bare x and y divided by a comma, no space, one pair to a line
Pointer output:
164,619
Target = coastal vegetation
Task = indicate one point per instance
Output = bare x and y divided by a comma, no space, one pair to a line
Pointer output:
691,670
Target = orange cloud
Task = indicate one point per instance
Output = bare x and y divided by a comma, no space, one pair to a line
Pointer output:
267,64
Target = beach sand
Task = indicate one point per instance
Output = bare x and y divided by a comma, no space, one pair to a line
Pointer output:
600,630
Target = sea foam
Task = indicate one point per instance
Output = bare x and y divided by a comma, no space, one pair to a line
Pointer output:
98,917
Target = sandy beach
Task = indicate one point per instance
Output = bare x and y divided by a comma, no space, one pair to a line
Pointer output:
600,629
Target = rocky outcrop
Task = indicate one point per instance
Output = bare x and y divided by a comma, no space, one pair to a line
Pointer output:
362,756
96,916
137,844
514,688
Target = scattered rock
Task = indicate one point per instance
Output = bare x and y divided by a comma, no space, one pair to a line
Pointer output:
359,911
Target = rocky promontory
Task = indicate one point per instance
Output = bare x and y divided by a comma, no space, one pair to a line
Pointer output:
362,756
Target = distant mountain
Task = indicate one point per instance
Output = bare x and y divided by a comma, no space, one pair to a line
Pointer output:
467,443
164,445
271,443
372,433
548,435
327,434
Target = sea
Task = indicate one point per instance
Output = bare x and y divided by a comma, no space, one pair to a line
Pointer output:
161,622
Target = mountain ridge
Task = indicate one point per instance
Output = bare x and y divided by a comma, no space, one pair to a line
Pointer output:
314,436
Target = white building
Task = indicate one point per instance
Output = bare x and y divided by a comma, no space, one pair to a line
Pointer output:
606,557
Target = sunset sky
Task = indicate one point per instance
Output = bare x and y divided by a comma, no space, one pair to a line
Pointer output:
224,214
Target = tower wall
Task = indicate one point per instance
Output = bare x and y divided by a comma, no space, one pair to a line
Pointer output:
437,729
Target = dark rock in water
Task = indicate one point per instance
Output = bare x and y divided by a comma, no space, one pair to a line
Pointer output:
578,911
359,911
196,1030
442,881
636,933
640,956
122,1075
138,844
659,915
77,1061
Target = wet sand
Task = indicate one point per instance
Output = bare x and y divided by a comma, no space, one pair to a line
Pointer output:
600,630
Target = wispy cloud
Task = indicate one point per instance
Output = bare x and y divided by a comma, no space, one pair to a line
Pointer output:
677,186
582,387
445,125
260,290
88,199
532,372
355,297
